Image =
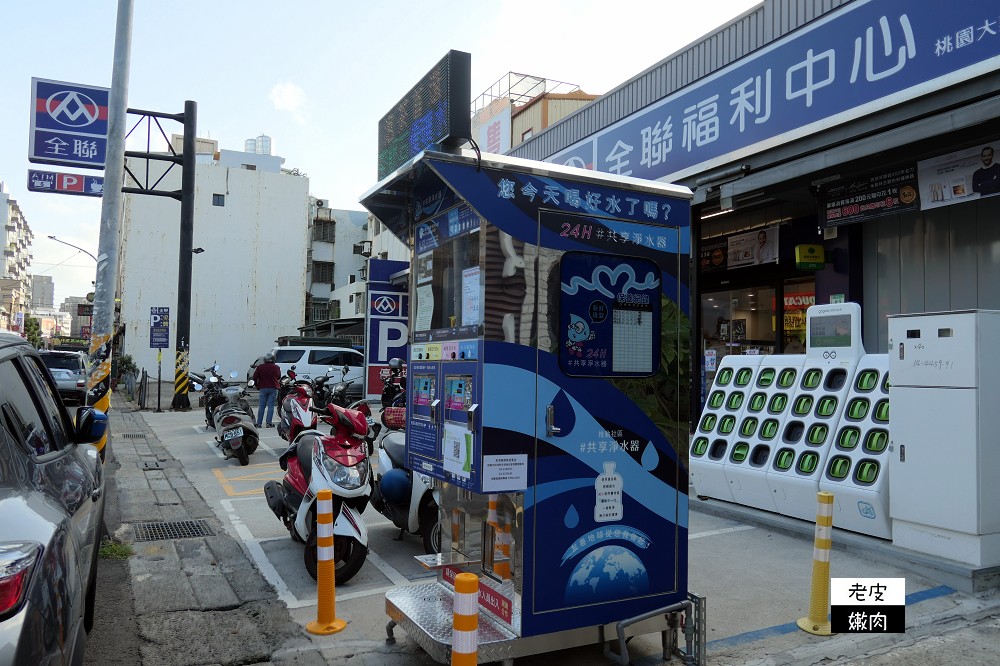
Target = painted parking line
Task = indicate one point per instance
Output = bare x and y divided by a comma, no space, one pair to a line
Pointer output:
235,480
724,530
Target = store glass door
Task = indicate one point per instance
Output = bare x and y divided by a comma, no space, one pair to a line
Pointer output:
737,321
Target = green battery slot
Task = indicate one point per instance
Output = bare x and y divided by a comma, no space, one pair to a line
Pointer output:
768,429
808,462
778,403
826,406
787,378
803,405
727,424
716,399
817,434
735,401
784,459
858,408
744,376
812,378
724,377
885,384
882,411
866,472
867,380
766,378
757,402
839,467
876,441
849,438
740,452
708,422
749,426
699,446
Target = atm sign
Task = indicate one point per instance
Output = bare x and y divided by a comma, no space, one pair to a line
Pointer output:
65,183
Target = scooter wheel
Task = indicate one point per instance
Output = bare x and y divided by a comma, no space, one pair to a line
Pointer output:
242,455
430,529
250,444
348,553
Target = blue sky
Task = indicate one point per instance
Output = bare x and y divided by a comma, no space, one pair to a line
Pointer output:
314,76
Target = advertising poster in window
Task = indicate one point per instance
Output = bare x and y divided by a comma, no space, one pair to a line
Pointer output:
868,197
753,248
960,176
712,255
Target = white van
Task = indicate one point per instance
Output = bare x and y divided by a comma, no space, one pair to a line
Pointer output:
313,362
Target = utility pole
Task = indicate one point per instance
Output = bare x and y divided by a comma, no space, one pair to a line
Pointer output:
99,383
184,263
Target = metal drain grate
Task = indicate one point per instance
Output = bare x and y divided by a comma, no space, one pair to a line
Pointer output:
181,529
132,435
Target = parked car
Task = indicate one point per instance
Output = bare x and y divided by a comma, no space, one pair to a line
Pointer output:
73,389
311,362
52,503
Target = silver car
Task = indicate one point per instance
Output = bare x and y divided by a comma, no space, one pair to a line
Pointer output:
51,513
72,389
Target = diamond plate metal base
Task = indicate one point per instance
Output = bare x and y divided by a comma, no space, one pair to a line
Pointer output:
425,613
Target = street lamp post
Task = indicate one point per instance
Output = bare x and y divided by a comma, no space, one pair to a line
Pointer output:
73,246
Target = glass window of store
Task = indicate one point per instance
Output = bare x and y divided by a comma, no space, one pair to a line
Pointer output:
737,321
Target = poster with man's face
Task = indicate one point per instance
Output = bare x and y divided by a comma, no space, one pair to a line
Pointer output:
753,247
960,176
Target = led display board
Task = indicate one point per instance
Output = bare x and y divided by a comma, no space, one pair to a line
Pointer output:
435,111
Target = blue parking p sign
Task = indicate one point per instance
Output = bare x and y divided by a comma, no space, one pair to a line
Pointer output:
159,328
69,124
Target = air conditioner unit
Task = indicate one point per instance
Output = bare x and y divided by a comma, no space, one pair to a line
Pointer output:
320,203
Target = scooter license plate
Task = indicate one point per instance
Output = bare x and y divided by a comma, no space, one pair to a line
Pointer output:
232,434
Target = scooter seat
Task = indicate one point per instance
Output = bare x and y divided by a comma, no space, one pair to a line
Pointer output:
394,445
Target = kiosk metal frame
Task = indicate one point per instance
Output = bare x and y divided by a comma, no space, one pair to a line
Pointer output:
548,401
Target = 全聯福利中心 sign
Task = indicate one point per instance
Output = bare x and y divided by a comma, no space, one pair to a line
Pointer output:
159,328
69,124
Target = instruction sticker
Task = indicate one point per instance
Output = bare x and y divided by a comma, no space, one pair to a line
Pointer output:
505,473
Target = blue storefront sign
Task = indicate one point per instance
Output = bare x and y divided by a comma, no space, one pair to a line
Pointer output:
159,328
69,124
868,56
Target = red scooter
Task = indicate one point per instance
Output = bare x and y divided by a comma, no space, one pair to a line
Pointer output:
314,461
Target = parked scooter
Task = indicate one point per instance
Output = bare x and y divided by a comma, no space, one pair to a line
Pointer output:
313,462
394,384
235,429
405,498
214,385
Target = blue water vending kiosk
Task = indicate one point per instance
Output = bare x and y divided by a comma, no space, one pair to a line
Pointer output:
548,385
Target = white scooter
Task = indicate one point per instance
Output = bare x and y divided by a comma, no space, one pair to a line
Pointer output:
404,497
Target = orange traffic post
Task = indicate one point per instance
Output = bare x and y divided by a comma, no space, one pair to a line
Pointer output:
465,622
818,621
326,607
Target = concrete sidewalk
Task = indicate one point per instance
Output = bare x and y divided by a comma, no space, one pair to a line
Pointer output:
200,599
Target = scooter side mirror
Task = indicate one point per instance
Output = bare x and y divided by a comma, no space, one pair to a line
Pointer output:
197,386
293,367
216,367
346,370
234,374
251,384
213,379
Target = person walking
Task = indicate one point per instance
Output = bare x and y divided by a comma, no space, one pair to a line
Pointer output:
266,377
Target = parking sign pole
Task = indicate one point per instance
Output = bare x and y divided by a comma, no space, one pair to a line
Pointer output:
101,335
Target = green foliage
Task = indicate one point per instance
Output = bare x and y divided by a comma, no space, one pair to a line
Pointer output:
126,366
112,549
33,331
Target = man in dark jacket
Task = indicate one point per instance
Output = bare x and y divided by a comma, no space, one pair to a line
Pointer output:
266,377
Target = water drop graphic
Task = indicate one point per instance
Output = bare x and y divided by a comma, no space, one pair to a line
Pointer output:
565,418
572,518
650,458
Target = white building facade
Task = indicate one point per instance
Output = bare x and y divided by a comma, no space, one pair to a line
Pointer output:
15,280
247,287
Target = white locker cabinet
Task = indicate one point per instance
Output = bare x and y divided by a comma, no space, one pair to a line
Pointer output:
944,457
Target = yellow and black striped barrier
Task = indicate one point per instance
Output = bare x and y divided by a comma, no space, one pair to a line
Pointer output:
181,382
99,381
